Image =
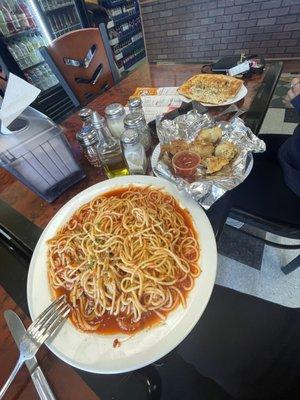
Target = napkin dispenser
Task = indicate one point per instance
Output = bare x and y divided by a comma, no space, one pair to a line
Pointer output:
34,150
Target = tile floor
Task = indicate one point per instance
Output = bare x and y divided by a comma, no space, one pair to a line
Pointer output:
274,122
281,117
265,280
255,269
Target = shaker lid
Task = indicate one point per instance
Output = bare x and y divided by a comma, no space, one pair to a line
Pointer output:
129,136
85,113
87,137
135,102
114,110
98,120
134,119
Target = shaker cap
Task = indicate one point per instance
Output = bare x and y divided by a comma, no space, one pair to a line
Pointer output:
87,137
129,136
114,110
134,120
134,103
85,113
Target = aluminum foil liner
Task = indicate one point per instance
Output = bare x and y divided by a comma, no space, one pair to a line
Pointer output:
206,189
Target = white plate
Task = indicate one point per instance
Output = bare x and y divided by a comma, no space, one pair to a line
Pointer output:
95,353
156,153
239,96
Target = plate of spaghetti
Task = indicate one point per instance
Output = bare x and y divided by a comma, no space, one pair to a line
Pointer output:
136,260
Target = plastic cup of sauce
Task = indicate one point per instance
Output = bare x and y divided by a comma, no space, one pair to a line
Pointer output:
185,163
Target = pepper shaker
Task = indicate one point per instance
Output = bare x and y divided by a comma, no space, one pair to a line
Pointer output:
137,122
135,105
88,138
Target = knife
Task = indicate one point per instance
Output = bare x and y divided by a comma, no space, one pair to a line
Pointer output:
18,330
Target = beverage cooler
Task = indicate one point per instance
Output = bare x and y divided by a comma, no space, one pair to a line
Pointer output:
122,33
27,25
60,16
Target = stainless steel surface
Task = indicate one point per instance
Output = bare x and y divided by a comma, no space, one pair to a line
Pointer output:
40,330
18,330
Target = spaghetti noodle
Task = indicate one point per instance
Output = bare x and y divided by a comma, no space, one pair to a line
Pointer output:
125,260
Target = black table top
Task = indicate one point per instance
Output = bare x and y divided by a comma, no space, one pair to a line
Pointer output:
242,347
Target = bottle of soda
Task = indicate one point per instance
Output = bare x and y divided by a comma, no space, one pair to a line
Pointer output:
3,28
31,50
22,18
11,17
33,78
28,14
27,59
19,55
8,20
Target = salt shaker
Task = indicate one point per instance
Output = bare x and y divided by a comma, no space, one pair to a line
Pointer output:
88,138
137,122
134,152
115,114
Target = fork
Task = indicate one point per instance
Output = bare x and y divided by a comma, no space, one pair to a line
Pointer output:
40,330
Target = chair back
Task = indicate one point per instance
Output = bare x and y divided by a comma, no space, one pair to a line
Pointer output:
82,62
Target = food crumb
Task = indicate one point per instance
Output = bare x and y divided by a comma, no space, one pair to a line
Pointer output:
116,343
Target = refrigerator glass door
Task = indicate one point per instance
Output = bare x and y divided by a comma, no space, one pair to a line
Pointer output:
62,16
24,33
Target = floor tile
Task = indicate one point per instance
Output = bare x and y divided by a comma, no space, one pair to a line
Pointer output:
273,121
288,128
235,275
268,283
240,247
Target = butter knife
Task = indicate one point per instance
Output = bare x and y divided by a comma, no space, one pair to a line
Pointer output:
18,330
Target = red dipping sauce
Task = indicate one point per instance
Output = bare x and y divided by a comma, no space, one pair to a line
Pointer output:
185,163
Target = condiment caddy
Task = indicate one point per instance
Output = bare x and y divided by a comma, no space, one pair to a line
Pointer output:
117,143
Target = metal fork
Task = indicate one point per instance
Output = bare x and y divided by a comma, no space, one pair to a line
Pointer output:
40,330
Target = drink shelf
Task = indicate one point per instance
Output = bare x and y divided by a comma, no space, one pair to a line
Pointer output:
67,29
122,19
25,32
125,35
33,65
112,4
132,62
114,41
128,49
58,8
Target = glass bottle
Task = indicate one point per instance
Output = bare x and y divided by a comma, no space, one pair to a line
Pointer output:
3,28
109,149
134,152
135,105
88,138
137,121
115,114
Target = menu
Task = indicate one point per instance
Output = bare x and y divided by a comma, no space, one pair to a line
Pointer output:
157,101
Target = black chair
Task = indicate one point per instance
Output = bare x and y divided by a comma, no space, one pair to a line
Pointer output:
265,202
